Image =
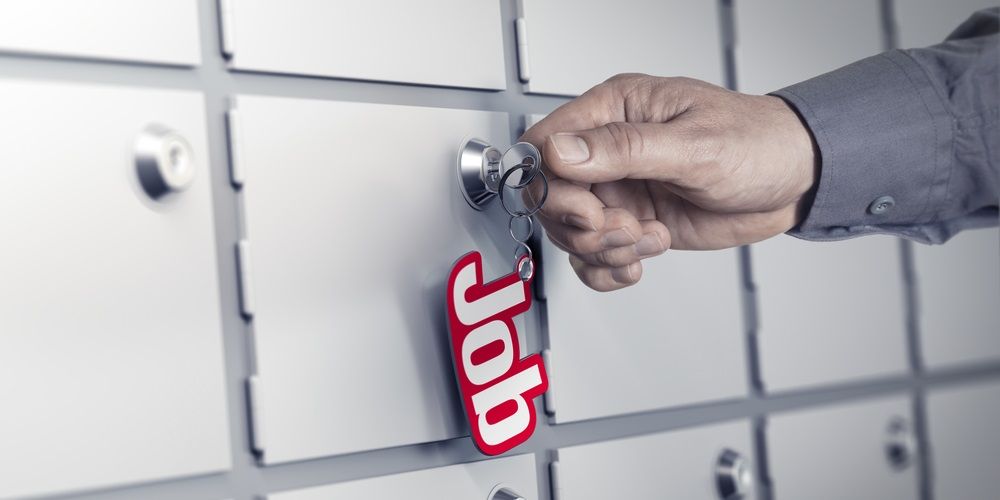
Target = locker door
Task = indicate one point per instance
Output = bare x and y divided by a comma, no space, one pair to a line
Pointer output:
472,481
963,438
861,451
673,339
111,348
829,311
781,42
567,46
927,22
683,464
353,221
959,290
456,43
155,31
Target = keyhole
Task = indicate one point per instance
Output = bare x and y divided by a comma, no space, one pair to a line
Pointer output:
178,159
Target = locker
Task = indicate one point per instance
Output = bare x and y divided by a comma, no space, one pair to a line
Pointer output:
861,450
781,42
673,339
686,464
567,46
111,353
353,221
958,286
472,481
154,31
829,311
963,439
455,43
927,22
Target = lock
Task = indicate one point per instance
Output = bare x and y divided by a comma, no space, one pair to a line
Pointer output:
482,167
164,161
900,443
733,475
501,492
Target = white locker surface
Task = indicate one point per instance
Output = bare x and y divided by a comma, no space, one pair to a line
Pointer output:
354,219
573,45
678,464
454,43
958,286
833,453
673,339
781,42
962,430
155,31
472,481
927,22
829,311
111,364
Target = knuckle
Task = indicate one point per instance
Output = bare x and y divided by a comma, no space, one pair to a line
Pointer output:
627,141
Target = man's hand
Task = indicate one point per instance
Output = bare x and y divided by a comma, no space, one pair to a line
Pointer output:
640,164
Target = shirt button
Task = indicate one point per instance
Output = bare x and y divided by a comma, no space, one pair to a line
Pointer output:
881,205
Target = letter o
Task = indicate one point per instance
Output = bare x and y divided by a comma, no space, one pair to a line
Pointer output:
494,367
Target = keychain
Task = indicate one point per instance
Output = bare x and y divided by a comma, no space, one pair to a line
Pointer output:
497,385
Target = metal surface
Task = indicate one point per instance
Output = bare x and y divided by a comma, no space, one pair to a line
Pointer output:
164,161
350,344
963,437
829,311
478,172
900,443
679,464
155,31
683,345
733,476
456,43
572,45
111,351
833,453
478,480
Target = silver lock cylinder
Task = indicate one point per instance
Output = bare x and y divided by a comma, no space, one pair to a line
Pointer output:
481,168
164,161
900,443
501,492
733,475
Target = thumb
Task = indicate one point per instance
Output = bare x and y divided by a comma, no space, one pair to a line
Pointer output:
620,150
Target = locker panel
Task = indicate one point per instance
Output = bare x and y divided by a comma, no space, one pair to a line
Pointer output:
456,43
573,45
781,42
111,353
678,464
155,31
928,22
962,425
829,311
673,339
354,219
959,289
840,452
472,481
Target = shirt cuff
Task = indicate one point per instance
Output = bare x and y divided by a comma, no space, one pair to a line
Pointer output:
883,136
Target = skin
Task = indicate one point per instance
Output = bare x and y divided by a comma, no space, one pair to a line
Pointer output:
641,164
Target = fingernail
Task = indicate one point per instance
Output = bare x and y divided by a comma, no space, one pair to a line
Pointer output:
624,274
617,238
570,148
580,222
650,244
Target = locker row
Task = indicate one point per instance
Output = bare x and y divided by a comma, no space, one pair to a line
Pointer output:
458,43
112,314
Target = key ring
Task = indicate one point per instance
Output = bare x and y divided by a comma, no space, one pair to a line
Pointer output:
520,186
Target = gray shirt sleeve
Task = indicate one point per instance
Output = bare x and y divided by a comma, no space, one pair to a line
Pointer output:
909,140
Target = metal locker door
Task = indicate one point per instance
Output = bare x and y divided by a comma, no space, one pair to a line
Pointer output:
155,31
673,339
111,346
781,42
859,450
705,463
962,430
481,480
958,286
353,220
928,22
455,43
663,38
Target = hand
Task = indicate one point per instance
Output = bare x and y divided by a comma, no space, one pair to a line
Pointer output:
640,164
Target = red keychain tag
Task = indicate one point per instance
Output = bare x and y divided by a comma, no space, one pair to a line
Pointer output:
497,385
